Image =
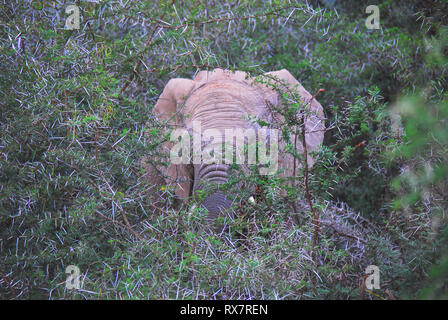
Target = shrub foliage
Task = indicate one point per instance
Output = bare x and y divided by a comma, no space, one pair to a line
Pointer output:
75,122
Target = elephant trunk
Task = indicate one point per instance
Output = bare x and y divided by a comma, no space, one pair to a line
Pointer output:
216,203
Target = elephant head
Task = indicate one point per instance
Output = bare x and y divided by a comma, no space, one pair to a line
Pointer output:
215,103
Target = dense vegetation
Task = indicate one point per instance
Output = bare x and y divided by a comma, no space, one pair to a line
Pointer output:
75,122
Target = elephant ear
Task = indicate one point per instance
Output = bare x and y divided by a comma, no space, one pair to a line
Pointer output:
168,109
170,103
314,122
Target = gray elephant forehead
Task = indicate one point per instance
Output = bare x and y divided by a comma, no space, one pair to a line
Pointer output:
225,98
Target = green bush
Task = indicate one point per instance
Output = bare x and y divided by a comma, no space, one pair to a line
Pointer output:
75,121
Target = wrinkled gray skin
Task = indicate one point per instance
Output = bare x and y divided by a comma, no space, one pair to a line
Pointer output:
213,174
220,100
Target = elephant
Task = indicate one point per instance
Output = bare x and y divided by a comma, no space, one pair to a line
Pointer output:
220,100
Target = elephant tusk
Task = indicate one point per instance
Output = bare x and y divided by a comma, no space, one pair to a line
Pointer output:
252,200
193,207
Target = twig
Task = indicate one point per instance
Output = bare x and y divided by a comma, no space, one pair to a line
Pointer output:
139,60
180,66
127,225
226,19
121,224
8,284
307,190
161,24
329,224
